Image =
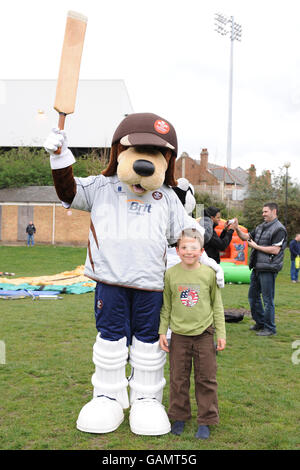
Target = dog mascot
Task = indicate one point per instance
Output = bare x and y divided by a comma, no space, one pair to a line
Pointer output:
135,215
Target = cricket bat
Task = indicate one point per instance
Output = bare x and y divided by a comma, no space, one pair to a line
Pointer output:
67,82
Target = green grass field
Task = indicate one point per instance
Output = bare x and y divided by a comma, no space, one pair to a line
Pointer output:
46,376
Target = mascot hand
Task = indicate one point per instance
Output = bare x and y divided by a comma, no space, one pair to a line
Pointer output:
58,139
204,259
220,278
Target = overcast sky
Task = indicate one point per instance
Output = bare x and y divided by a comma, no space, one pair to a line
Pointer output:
174,64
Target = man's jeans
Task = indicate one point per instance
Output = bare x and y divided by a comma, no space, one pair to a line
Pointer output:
30,238
294,271
262,288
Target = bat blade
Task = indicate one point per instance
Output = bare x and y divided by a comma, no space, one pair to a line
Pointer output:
68,76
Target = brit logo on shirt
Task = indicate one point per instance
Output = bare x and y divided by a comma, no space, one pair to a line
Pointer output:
189,297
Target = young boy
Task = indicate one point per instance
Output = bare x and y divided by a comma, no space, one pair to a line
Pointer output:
192,305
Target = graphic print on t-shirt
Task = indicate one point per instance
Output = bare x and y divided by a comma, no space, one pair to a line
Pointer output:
189,295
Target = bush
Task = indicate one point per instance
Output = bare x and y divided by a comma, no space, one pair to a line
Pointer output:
26,166
207,200
261,192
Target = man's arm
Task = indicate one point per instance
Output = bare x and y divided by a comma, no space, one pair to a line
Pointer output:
271,250
219,243
277,242
242,235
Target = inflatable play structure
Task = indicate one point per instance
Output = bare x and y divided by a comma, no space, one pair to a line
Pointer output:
237,251
236,273
234,260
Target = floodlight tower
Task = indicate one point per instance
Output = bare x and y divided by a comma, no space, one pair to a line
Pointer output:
224,26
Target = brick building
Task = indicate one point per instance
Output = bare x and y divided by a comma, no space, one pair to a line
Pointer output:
215,179
40,204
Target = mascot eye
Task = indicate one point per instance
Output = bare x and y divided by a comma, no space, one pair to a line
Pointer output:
147,149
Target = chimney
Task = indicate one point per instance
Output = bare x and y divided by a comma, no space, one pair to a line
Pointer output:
203,160
252,174
268,177
184,155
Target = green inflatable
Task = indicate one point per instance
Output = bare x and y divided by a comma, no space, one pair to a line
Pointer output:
236,273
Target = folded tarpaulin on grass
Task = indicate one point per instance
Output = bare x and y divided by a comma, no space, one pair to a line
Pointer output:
79,288
67,282
24,292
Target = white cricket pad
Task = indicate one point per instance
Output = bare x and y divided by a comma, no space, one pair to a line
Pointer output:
104,413
147,415
110,359
147,378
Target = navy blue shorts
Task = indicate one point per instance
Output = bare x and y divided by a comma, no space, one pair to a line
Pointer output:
123,311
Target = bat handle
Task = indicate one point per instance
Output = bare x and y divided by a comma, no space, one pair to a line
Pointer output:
61,126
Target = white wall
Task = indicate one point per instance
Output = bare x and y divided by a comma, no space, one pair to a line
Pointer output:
27,114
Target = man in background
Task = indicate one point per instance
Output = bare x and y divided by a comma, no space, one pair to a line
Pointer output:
217,243
30,230
295,251
268,241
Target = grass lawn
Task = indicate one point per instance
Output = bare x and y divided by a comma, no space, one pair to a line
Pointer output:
46,378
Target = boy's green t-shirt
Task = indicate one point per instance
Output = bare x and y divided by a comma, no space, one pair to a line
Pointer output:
192,302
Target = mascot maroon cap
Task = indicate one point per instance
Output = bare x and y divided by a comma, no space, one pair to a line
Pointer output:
146,129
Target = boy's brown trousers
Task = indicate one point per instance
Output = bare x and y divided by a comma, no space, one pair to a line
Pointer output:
199,350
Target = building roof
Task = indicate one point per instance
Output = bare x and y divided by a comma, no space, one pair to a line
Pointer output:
236,176
29,115
29,194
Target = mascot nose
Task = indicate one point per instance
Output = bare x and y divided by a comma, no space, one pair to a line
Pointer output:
143,167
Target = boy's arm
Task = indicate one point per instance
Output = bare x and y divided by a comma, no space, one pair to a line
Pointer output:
163,343
218,314
165,311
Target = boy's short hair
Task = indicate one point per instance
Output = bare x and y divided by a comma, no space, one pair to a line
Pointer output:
191,233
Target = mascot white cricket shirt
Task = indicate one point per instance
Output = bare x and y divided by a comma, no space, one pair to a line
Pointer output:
129,233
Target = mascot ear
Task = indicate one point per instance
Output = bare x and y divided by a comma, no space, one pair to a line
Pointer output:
170,173
115,151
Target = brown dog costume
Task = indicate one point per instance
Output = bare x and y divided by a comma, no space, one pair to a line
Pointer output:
134,216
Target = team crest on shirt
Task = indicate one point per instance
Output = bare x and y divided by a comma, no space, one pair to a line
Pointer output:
157,195
189,297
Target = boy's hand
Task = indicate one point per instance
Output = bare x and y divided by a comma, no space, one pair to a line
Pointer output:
163,343
221,344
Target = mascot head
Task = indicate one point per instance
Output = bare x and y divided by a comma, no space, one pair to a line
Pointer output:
143,153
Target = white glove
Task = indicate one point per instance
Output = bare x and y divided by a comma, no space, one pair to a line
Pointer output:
204,259
220,278
57,139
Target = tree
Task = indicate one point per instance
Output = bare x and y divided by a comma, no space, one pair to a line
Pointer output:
26,166
205,200
264,189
